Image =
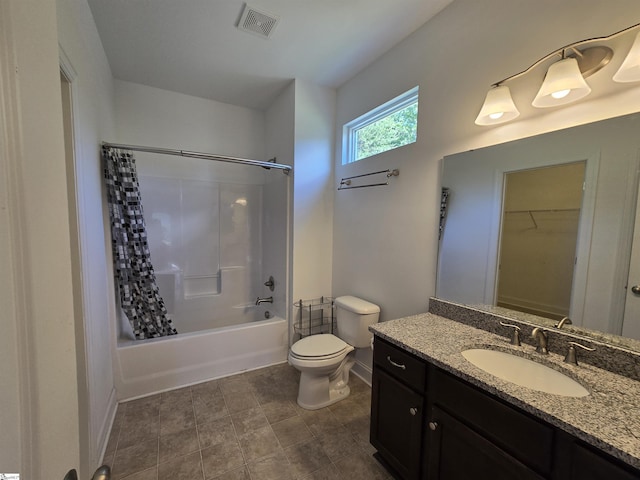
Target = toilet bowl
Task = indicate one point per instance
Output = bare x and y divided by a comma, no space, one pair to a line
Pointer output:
325,360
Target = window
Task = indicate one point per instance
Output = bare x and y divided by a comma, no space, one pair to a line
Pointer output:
384,128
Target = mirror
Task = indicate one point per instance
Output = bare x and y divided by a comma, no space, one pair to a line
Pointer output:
538,236
468,261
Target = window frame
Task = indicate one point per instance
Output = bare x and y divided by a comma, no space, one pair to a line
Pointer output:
350,129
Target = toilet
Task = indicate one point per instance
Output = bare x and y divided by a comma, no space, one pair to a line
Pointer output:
324,360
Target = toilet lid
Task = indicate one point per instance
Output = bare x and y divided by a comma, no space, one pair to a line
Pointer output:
318,346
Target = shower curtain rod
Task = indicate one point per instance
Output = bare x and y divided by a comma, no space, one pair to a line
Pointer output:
206,156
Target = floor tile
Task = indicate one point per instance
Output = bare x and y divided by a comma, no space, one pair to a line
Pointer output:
178,444
209,408
177,418
221,458
188,467
338,444
241,473
320,421
235,384
134,459
258,443
306,458
360,466
206,388
239,401
219,431
249,420
272,467
150,474
291,431
328,472
279,410
244,427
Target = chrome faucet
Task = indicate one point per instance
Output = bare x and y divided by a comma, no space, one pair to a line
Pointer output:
564,321
541,337
264,300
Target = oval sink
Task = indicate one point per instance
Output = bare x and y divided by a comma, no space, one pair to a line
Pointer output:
524,372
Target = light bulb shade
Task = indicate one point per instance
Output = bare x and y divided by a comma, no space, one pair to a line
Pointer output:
629,71
563,84
498,107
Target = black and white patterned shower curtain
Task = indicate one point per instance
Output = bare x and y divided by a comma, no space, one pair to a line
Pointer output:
134,274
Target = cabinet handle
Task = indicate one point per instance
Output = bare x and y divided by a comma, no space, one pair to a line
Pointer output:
433,425
413,410
403,367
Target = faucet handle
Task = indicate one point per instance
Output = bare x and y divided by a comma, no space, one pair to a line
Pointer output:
571,356
515,339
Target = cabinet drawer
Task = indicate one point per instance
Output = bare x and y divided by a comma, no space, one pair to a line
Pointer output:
526,438
400,364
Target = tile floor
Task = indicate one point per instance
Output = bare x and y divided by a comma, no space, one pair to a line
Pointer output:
244,427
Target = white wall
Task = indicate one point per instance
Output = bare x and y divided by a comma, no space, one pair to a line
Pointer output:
280,133
300,133
390,258
385,238
93,98
313,191
160,118
41,322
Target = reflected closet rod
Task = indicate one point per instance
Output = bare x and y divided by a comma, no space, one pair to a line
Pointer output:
206,156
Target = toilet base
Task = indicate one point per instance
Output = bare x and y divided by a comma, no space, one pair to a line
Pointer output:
319,391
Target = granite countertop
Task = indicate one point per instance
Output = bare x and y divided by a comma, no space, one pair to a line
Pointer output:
608,418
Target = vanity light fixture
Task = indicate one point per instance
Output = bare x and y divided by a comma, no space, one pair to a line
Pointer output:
564,83
629,71
498,107
565,79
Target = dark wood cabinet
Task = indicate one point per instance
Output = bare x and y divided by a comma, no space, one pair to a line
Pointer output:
397,409
588,464
396,424
428,424
456,452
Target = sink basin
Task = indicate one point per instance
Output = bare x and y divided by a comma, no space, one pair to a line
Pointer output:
524,372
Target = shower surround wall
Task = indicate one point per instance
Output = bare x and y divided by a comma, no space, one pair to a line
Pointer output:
150,116
205,230
211,195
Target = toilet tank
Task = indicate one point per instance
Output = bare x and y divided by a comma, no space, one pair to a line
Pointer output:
353,317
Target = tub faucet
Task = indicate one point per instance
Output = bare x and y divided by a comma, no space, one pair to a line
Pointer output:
540,335
264,300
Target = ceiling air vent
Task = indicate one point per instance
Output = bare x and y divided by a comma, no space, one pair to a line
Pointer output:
257,22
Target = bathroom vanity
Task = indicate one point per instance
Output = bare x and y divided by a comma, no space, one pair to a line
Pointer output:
435,415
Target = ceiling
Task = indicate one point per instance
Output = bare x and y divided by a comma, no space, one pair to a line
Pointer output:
194,46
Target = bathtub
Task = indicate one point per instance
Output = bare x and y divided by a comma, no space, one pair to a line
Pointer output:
145,367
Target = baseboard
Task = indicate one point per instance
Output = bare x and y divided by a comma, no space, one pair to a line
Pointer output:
363,372
107,425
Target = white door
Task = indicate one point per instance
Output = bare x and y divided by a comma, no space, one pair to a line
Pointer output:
631,323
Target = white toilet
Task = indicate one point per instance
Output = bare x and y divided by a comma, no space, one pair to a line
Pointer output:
324,360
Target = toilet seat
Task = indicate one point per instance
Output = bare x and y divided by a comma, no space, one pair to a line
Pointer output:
319,347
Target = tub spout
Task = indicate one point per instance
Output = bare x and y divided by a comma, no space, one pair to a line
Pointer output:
264,300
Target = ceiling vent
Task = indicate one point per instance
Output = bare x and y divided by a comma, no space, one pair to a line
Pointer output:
257,22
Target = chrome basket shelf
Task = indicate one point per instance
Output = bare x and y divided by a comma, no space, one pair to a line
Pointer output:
314,316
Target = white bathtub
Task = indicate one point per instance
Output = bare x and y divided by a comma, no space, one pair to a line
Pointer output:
145,367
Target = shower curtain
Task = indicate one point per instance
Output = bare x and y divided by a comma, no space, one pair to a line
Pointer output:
134,274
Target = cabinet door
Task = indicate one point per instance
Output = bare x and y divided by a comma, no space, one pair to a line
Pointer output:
589,465
456,452
396,424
